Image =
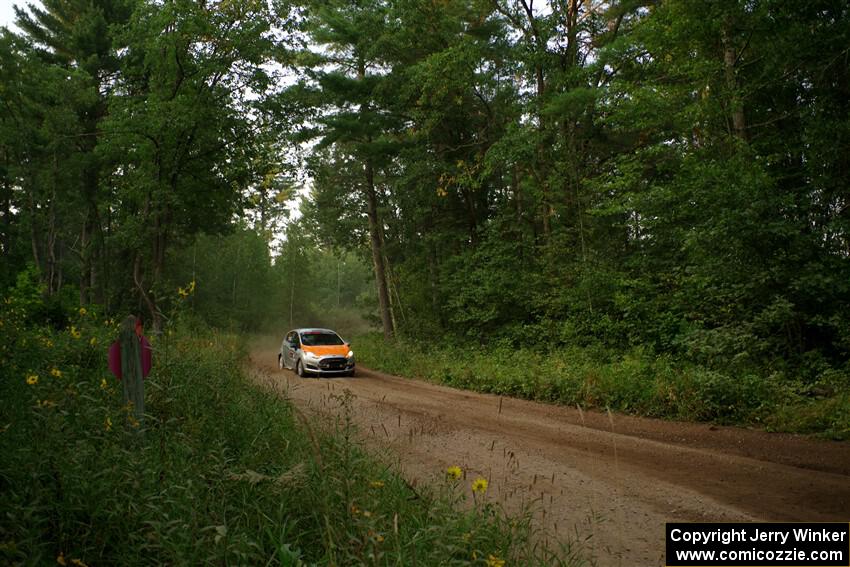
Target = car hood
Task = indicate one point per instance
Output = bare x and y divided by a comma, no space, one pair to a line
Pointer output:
338,350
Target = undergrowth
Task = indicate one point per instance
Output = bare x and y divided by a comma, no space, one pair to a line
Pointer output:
218,472
636,383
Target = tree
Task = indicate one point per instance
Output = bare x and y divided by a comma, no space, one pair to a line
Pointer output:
355,118
183,131
77,37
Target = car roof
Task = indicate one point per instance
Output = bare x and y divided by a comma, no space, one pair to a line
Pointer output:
314,330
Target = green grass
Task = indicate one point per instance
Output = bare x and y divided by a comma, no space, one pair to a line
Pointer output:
636,383
219,472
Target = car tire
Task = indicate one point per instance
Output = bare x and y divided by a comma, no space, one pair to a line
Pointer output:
279,362
299,369
351,373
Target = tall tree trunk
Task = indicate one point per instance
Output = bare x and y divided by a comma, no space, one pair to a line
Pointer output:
88,243
52,267
378,252
7,213
34,232
59,273
472,221
139,281
730,60
98,245
144,289
160,242
543,165
85,260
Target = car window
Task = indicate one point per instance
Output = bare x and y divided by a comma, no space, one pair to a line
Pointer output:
321,338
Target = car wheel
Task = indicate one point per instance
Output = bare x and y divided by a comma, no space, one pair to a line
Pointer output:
351,373
299,369
279,362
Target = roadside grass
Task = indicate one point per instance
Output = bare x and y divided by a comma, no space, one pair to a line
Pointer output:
636,383
218,472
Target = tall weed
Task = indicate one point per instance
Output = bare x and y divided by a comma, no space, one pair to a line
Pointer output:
218,471
638,382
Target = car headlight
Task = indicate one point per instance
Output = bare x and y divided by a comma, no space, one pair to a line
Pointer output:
350,354
310,356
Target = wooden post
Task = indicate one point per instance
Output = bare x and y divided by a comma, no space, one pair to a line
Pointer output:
131,368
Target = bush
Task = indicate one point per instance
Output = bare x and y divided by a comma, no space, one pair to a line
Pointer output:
218,472
638,382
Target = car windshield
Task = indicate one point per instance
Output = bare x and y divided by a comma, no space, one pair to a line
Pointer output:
320,338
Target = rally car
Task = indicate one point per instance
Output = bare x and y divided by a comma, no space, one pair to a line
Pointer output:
320,352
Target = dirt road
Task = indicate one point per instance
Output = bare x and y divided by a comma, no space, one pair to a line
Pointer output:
610,481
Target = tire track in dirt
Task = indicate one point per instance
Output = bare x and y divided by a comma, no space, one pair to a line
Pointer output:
606,483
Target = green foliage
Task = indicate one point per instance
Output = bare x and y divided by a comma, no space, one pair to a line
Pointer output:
482,293
669,179
132,133
234,285
637,383
667,187
219,471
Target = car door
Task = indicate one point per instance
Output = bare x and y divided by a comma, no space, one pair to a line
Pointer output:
294,347
289,350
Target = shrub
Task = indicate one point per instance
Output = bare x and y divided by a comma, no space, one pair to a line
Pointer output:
218,472
638,382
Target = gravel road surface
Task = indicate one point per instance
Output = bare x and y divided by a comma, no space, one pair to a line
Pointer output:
606,482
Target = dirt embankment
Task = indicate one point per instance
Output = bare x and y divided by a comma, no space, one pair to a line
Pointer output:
609,481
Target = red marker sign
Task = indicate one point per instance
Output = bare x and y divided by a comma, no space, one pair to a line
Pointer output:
115,355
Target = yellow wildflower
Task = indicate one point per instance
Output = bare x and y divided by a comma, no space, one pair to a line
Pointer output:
134,423
103,384
75,333
46,404
187,291
378,537
61,559
493,561
454,472
367,514
93,341
83,311
32,379
108,424
56,373
377,484
354,510
78,563
479,485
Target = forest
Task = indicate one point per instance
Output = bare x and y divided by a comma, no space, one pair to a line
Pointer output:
667,178
619,206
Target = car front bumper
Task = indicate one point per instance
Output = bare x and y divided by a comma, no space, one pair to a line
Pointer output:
313,368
